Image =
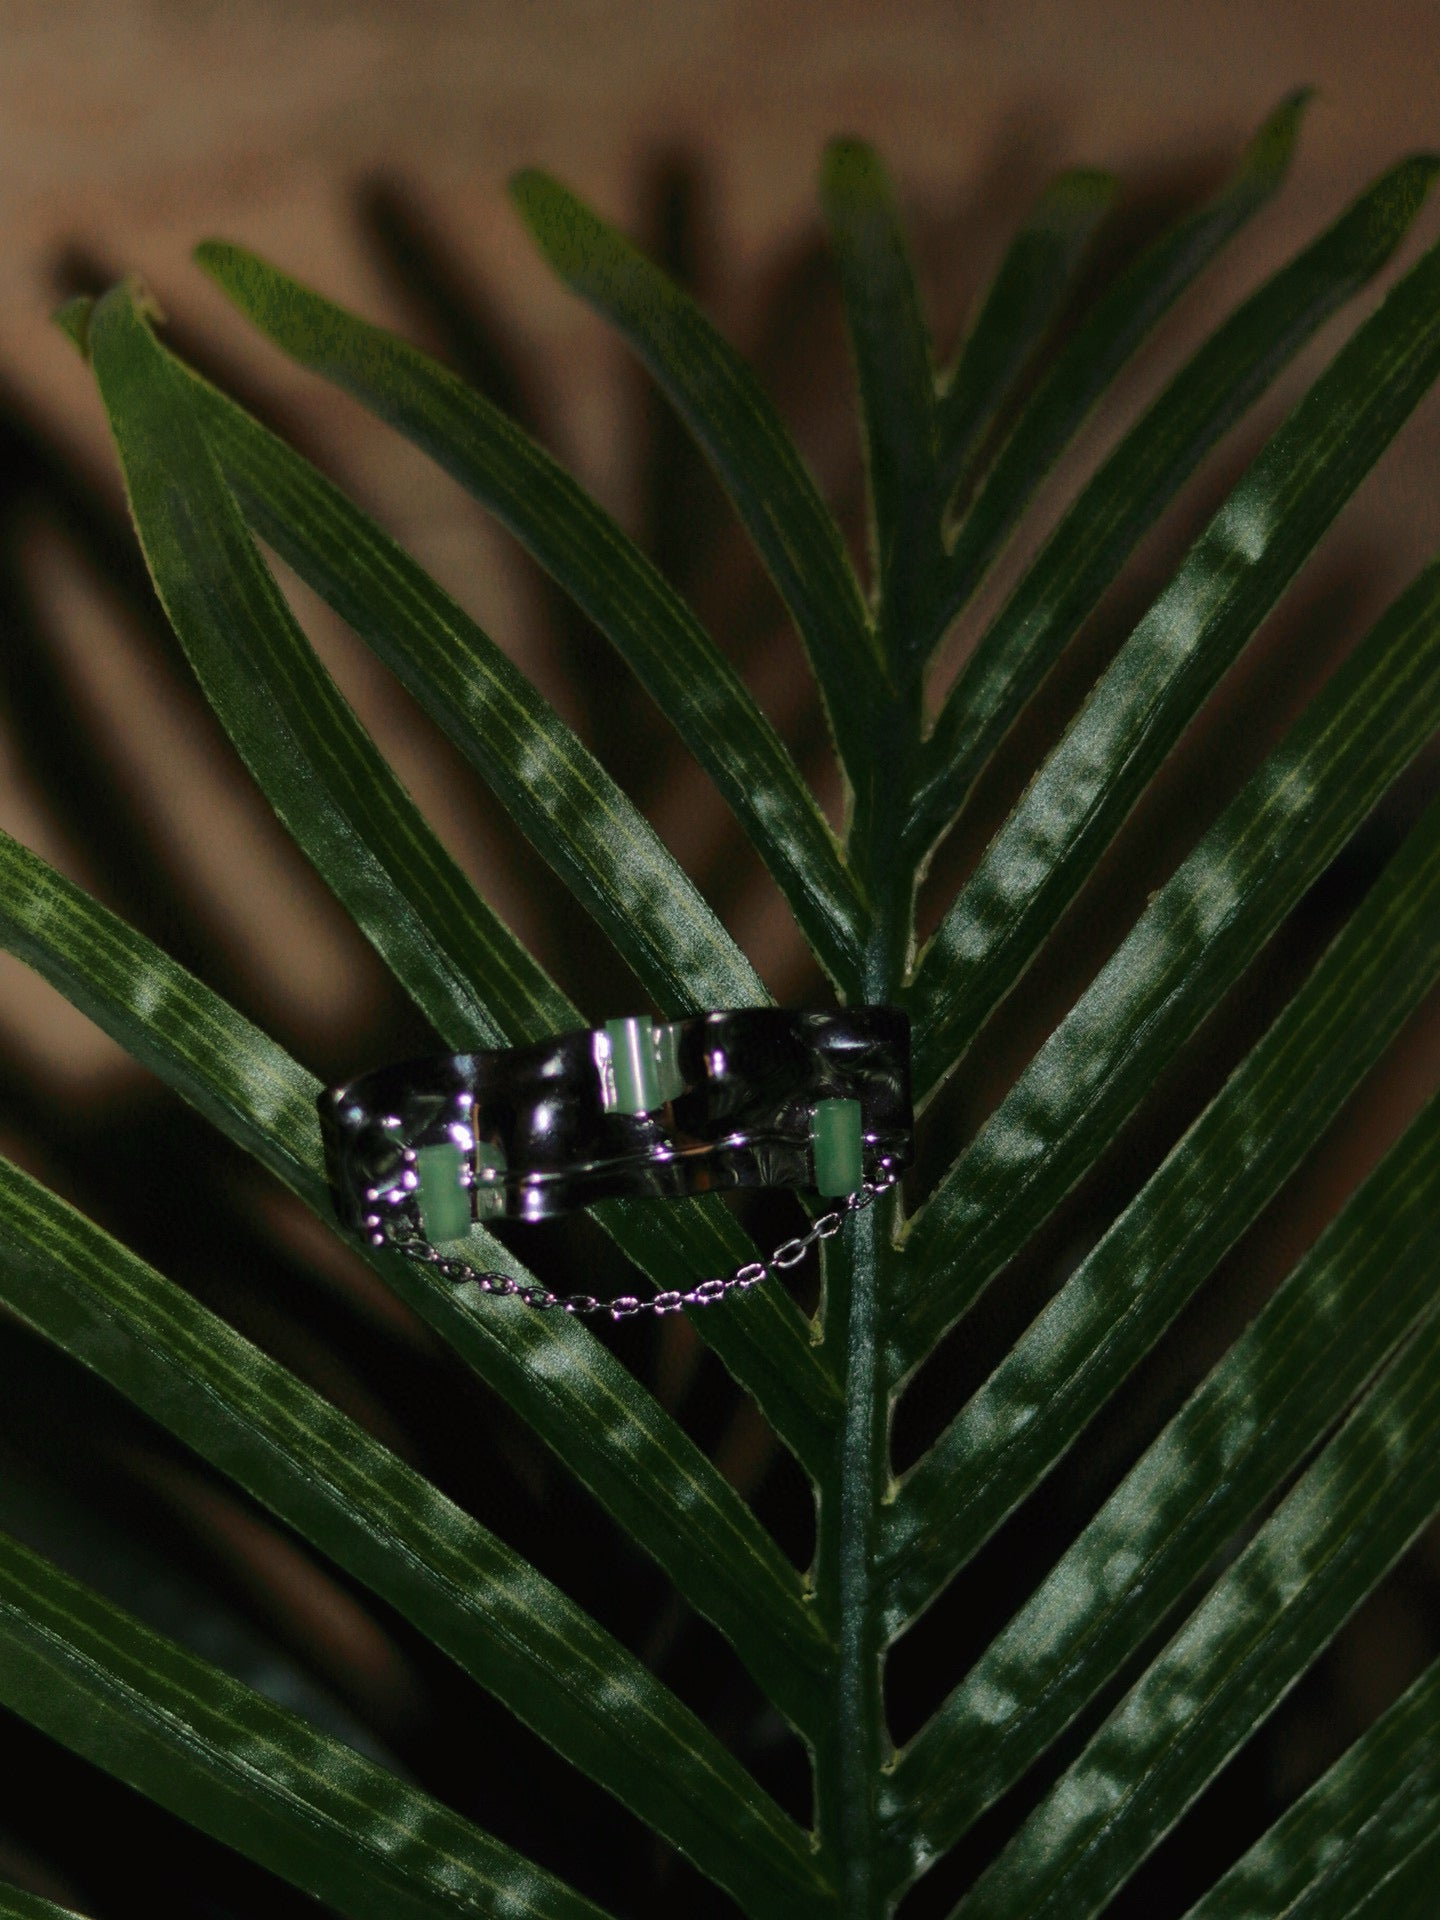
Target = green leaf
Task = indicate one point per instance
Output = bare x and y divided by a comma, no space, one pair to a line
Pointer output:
1260,1628
1065,583
355,1501
79,1522
568,807
1132,1284
1193,632
722,403
897,387
1018,314
1406,1890
1101,345
1199,932
15,1905
584,1404
335,793
1372,1819
1336,1318
251,1774
603,572
1335,1381
309,754
573,812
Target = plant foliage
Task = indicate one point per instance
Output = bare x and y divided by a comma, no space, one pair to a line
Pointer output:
1286,1485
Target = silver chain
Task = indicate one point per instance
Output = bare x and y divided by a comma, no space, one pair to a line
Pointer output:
410,1241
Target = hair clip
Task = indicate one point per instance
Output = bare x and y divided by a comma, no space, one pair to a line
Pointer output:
419,1152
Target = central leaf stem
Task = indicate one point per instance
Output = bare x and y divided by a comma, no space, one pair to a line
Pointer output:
855,1746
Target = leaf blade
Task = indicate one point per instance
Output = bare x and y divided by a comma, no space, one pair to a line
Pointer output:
587,1408
602,572
726,410
568,807
304,746
1335,1320
1344,752
891,350
246,1771
1102,344
1141,477
348,1496
337,796
1332,1540
1188,638
1018,312
1336,1850
1149,1263
17,1905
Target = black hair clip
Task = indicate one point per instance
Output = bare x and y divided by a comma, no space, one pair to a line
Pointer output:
419,1152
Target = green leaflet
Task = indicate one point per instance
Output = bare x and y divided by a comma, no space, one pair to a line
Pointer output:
586,1406
1193,632
15,1905
1198,933
1354,1512
559,795
724,407
245,1771
1367,1823
1337,1317
88,1536
1101,345
1406,1889
1126,497
347,1495
572,811
1128,1289
897,386
608,578
336,795
1018,313
301,741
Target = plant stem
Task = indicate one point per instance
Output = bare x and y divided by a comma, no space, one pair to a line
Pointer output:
857,1742
856,1745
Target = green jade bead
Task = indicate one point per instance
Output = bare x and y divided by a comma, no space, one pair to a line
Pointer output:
667,1062
837,1148
634,1066
444,1203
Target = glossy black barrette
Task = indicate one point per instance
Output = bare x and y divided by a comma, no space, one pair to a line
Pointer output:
420,1152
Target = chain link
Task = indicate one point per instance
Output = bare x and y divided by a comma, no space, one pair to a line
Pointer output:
407,1238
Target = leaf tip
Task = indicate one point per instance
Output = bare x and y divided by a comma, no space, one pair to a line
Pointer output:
531,187
143,300
1084,187
85,319
1418,171
1271,151
850,166
1410,182
72,317
261,292
1075,200
219,258
571,237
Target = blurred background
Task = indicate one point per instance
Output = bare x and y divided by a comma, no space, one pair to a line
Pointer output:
366,147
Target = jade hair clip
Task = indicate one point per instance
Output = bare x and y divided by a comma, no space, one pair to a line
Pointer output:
637,1108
